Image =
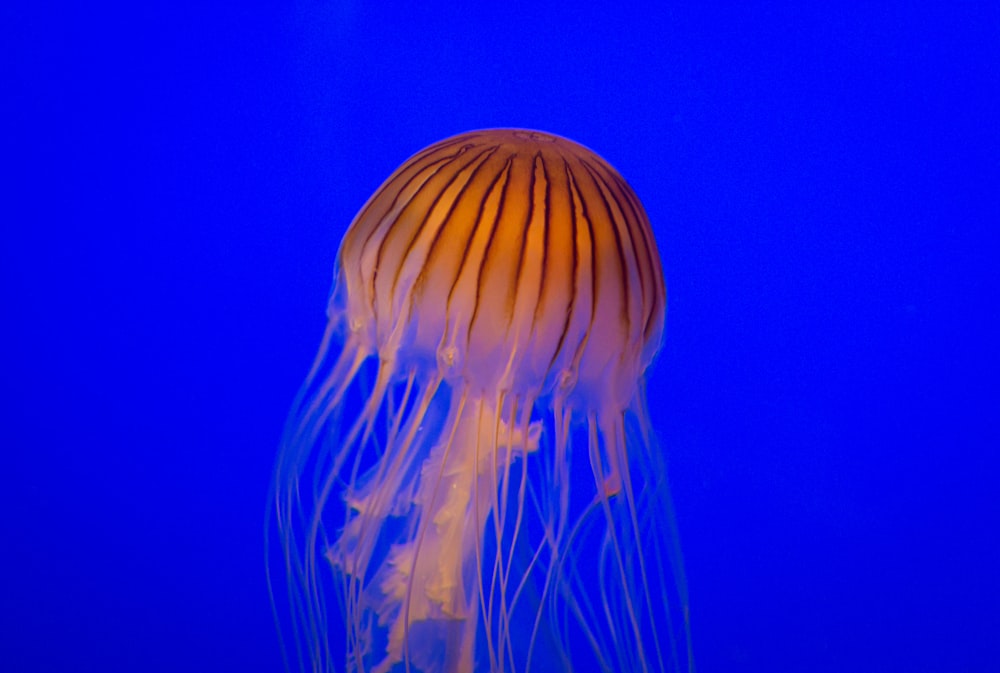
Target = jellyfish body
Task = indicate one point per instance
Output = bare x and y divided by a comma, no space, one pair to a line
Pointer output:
468,479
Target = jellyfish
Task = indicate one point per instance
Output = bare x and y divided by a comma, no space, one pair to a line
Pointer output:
468,478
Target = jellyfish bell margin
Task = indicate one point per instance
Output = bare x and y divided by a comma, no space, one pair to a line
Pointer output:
468,478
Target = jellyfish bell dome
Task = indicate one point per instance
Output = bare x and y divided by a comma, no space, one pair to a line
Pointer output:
510,259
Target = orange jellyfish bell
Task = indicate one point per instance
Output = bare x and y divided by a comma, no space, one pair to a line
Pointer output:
469,468
516,259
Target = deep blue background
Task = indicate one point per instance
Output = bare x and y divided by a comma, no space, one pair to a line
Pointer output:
825,189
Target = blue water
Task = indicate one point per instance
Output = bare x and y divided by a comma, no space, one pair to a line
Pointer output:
825,190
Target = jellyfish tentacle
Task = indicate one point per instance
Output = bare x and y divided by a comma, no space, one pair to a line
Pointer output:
526,434
618,432
612,534
479,521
